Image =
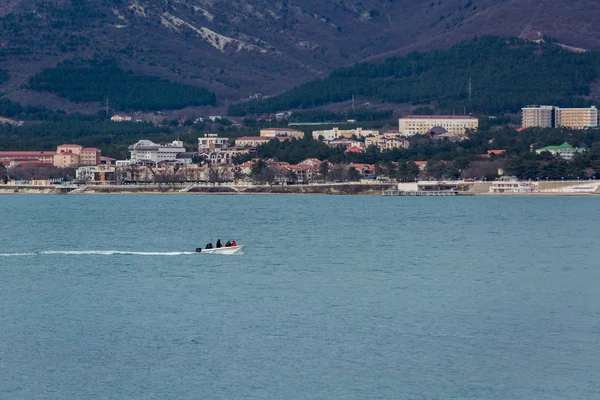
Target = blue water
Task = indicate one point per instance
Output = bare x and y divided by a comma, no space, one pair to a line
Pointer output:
336,298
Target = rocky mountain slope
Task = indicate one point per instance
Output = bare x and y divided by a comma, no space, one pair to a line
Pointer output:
238,48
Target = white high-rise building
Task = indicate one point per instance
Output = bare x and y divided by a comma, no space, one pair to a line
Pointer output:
537,116
212,142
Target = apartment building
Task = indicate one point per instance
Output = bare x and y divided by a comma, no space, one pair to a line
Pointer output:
89,156
556,117
212,142
411,125
576,118
537,116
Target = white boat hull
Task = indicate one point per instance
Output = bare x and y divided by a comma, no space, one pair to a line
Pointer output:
239,249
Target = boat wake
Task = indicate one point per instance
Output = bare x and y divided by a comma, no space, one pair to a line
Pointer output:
99,253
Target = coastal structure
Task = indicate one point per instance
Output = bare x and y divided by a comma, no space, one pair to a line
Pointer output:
565,150
335,133
274,132
146,151
510,184
411,125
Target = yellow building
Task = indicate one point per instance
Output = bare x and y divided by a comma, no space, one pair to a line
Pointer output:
273,132
251,141
387,142
421,124
576,118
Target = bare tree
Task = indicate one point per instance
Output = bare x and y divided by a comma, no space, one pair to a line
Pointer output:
338,173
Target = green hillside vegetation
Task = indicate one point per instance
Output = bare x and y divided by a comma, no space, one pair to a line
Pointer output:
86,81
3,75
505,75
112,138
14,110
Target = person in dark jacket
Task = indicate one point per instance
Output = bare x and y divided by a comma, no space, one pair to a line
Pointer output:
219,243
209,246
228,244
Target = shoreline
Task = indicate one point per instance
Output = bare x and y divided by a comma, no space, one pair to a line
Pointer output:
330,190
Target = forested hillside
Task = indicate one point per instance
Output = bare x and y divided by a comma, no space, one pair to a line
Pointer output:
93,80
503,74
238,48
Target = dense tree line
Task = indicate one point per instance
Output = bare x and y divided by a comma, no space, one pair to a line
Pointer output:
360,115
505,74
93,80
10,109
112,138
3,75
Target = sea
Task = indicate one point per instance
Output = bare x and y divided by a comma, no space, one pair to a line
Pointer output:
336,297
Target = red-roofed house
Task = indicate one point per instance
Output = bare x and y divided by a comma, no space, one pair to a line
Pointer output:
354,149
363,169
421,164
313,162
304,173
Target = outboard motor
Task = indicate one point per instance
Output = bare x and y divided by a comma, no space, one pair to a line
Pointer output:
198,249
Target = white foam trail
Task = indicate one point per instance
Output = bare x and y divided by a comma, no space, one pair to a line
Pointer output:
16,254
113,252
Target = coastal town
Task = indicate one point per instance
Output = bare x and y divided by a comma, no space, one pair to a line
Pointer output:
220,160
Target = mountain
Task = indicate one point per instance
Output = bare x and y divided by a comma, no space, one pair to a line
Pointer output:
237,48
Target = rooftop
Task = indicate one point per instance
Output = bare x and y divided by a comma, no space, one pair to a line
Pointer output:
263,138
281,129
438,117
26,153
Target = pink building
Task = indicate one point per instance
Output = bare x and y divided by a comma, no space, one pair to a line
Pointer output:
89,156
42,156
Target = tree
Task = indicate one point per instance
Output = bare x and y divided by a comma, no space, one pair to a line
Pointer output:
353,174
338,173
3,173
324,170
262,173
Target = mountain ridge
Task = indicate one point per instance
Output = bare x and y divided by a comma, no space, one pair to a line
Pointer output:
240,48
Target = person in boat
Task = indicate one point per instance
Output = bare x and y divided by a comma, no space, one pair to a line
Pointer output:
233,243
219,243
228,244
209,246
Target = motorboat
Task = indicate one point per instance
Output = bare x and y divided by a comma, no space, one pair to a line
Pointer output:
239,249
